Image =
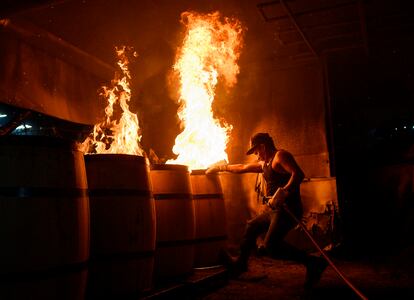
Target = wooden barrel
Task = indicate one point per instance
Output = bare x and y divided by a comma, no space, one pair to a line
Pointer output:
44,219
174,255
210,218
122,225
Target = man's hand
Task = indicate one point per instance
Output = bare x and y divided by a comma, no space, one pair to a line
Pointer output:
213,170
278,198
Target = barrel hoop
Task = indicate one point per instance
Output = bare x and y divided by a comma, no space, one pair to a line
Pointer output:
44,274
172,196
208,196
119,192
125,256
25,192
211,239
166,244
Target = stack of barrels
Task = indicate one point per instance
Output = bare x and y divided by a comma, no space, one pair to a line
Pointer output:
102,225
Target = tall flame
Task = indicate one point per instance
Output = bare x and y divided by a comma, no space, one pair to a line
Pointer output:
112,136
209,52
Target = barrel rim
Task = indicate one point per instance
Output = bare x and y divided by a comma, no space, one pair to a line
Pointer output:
113,156
200,172
167,167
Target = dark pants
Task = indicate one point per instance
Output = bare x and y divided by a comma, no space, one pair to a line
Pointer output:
276,224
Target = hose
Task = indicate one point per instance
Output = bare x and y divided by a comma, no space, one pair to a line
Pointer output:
359,293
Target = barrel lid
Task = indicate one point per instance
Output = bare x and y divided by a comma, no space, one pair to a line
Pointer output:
169,167
112,157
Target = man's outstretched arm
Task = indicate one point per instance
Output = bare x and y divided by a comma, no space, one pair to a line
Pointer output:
236,168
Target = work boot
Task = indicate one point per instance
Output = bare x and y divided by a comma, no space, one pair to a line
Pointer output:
314,269
261,250
235,266
238,267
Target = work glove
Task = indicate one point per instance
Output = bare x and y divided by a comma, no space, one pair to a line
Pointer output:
216,169
278,199
213,170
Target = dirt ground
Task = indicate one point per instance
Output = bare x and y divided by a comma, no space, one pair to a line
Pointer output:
385,277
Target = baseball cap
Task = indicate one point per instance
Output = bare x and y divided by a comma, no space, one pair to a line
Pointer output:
258,139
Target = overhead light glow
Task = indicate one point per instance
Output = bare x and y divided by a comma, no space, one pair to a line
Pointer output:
24,126
2,115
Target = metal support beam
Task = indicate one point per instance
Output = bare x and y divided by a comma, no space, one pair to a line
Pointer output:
363,24
305,38
262,6
315,27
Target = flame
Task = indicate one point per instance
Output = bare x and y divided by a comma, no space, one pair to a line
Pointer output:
209,52
112,136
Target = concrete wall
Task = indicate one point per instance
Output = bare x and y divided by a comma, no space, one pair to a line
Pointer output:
287,103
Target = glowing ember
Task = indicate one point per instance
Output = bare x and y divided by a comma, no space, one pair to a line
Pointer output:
209,52
112,136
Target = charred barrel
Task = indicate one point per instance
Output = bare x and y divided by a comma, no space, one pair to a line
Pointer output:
122,225
44,219
175,221
210,218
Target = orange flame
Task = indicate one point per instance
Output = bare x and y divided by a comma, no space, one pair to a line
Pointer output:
112,136
209,52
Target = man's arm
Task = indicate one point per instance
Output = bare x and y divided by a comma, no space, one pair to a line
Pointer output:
236,168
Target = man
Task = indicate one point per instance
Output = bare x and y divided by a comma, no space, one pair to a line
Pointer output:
283,177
